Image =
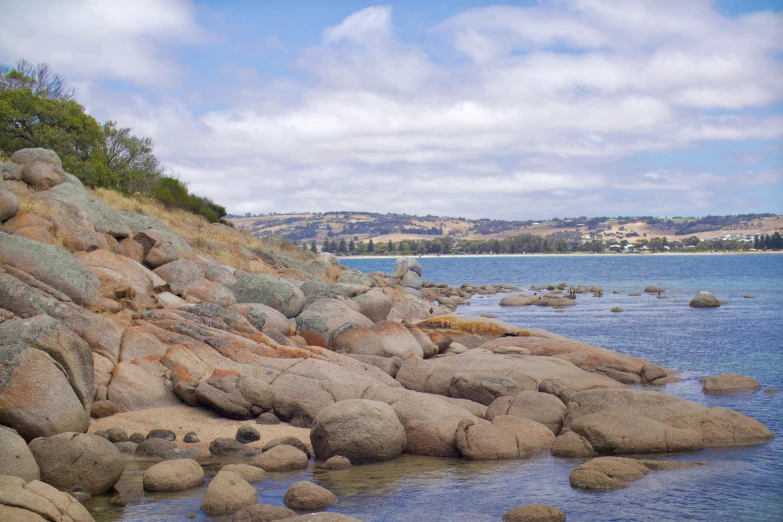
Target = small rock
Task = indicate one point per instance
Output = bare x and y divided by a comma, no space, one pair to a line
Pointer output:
308,496
101,409
79,494
268,419
126,496
117,435
635,294
489,316
336,462
262,513
770,390
162,434
534,513
289,441
247,434
127,449
225,448
137,437
748,296
160,449
616,309
190,437
606,473
653,289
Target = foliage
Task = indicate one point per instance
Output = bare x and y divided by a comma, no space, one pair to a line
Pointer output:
37,109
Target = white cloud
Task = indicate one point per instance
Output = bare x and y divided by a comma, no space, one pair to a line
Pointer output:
118,39
515,111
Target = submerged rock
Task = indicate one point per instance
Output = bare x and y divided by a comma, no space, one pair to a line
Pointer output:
534,513
705,300
308,496
228,493
606,473
729,383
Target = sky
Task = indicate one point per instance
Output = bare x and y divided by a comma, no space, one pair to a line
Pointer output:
525,110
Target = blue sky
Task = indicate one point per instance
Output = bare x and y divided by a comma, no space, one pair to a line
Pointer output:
514,111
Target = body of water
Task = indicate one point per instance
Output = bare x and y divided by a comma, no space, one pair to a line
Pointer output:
743,336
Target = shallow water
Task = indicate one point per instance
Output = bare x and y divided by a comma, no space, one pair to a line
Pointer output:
744,336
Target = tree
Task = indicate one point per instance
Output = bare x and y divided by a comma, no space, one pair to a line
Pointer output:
326,246
313,247
370,246
38,79
342,248
391,246
351,246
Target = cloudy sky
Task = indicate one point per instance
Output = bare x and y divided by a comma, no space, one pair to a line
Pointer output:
459,108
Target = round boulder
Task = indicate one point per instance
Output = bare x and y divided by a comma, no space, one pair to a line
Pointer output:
705,300
16,459
78,459
336,462
173,475
307,496
246,434
9,205
281,458
278,293
268,418
534,513
516,300
653,289
251,474
162,434
362,431
190,437
729,383
42,176
228,493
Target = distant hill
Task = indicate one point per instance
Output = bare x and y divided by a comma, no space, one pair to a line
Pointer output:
362,226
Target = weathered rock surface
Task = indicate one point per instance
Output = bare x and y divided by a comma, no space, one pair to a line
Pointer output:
517,300
225,448
9,205
362,431
540,407
78,459
272,291
35,501
308,496
173,475
228,493
430,424
337,462
729,383
16,459
263,513
251,474
320,319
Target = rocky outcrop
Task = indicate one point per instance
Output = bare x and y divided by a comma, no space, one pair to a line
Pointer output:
362,431
320,319
374,304
407,275
35,501
67,460
729,383
628,421
534,513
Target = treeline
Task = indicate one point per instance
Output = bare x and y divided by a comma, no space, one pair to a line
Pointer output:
768,242
38,109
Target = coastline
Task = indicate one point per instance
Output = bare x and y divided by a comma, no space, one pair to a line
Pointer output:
577,254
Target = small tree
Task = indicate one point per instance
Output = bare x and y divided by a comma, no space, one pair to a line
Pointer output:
326,246
313,247
351,246
342,248
370,246
391,246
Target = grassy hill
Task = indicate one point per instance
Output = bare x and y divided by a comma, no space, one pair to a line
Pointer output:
362,226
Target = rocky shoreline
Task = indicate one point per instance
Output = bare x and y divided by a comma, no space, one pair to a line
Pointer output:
106,314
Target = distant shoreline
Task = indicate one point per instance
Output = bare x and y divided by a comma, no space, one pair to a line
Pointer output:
583,254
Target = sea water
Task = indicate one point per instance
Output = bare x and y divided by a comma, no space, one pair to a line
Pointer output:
744,336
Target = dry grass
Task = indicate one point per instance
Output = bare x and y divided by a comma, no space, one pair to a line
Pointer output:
214,240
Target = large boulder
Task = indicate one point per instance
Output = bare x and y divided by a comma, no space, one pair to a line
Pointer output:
180,274
133,387
729,383
321,318
37,397
481,387
42,176
307,496
35,501
67,460
36,155
235,396
250,473
517,300
430,424
173,475
468,330
375,305
278,293
16,459
9,205
482,440
406,264
705,300
528,404
228,493
532,437
628,421
361,430
54,266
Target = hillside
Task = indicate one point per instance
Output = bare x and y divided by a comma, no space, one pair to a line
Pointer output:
362,226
